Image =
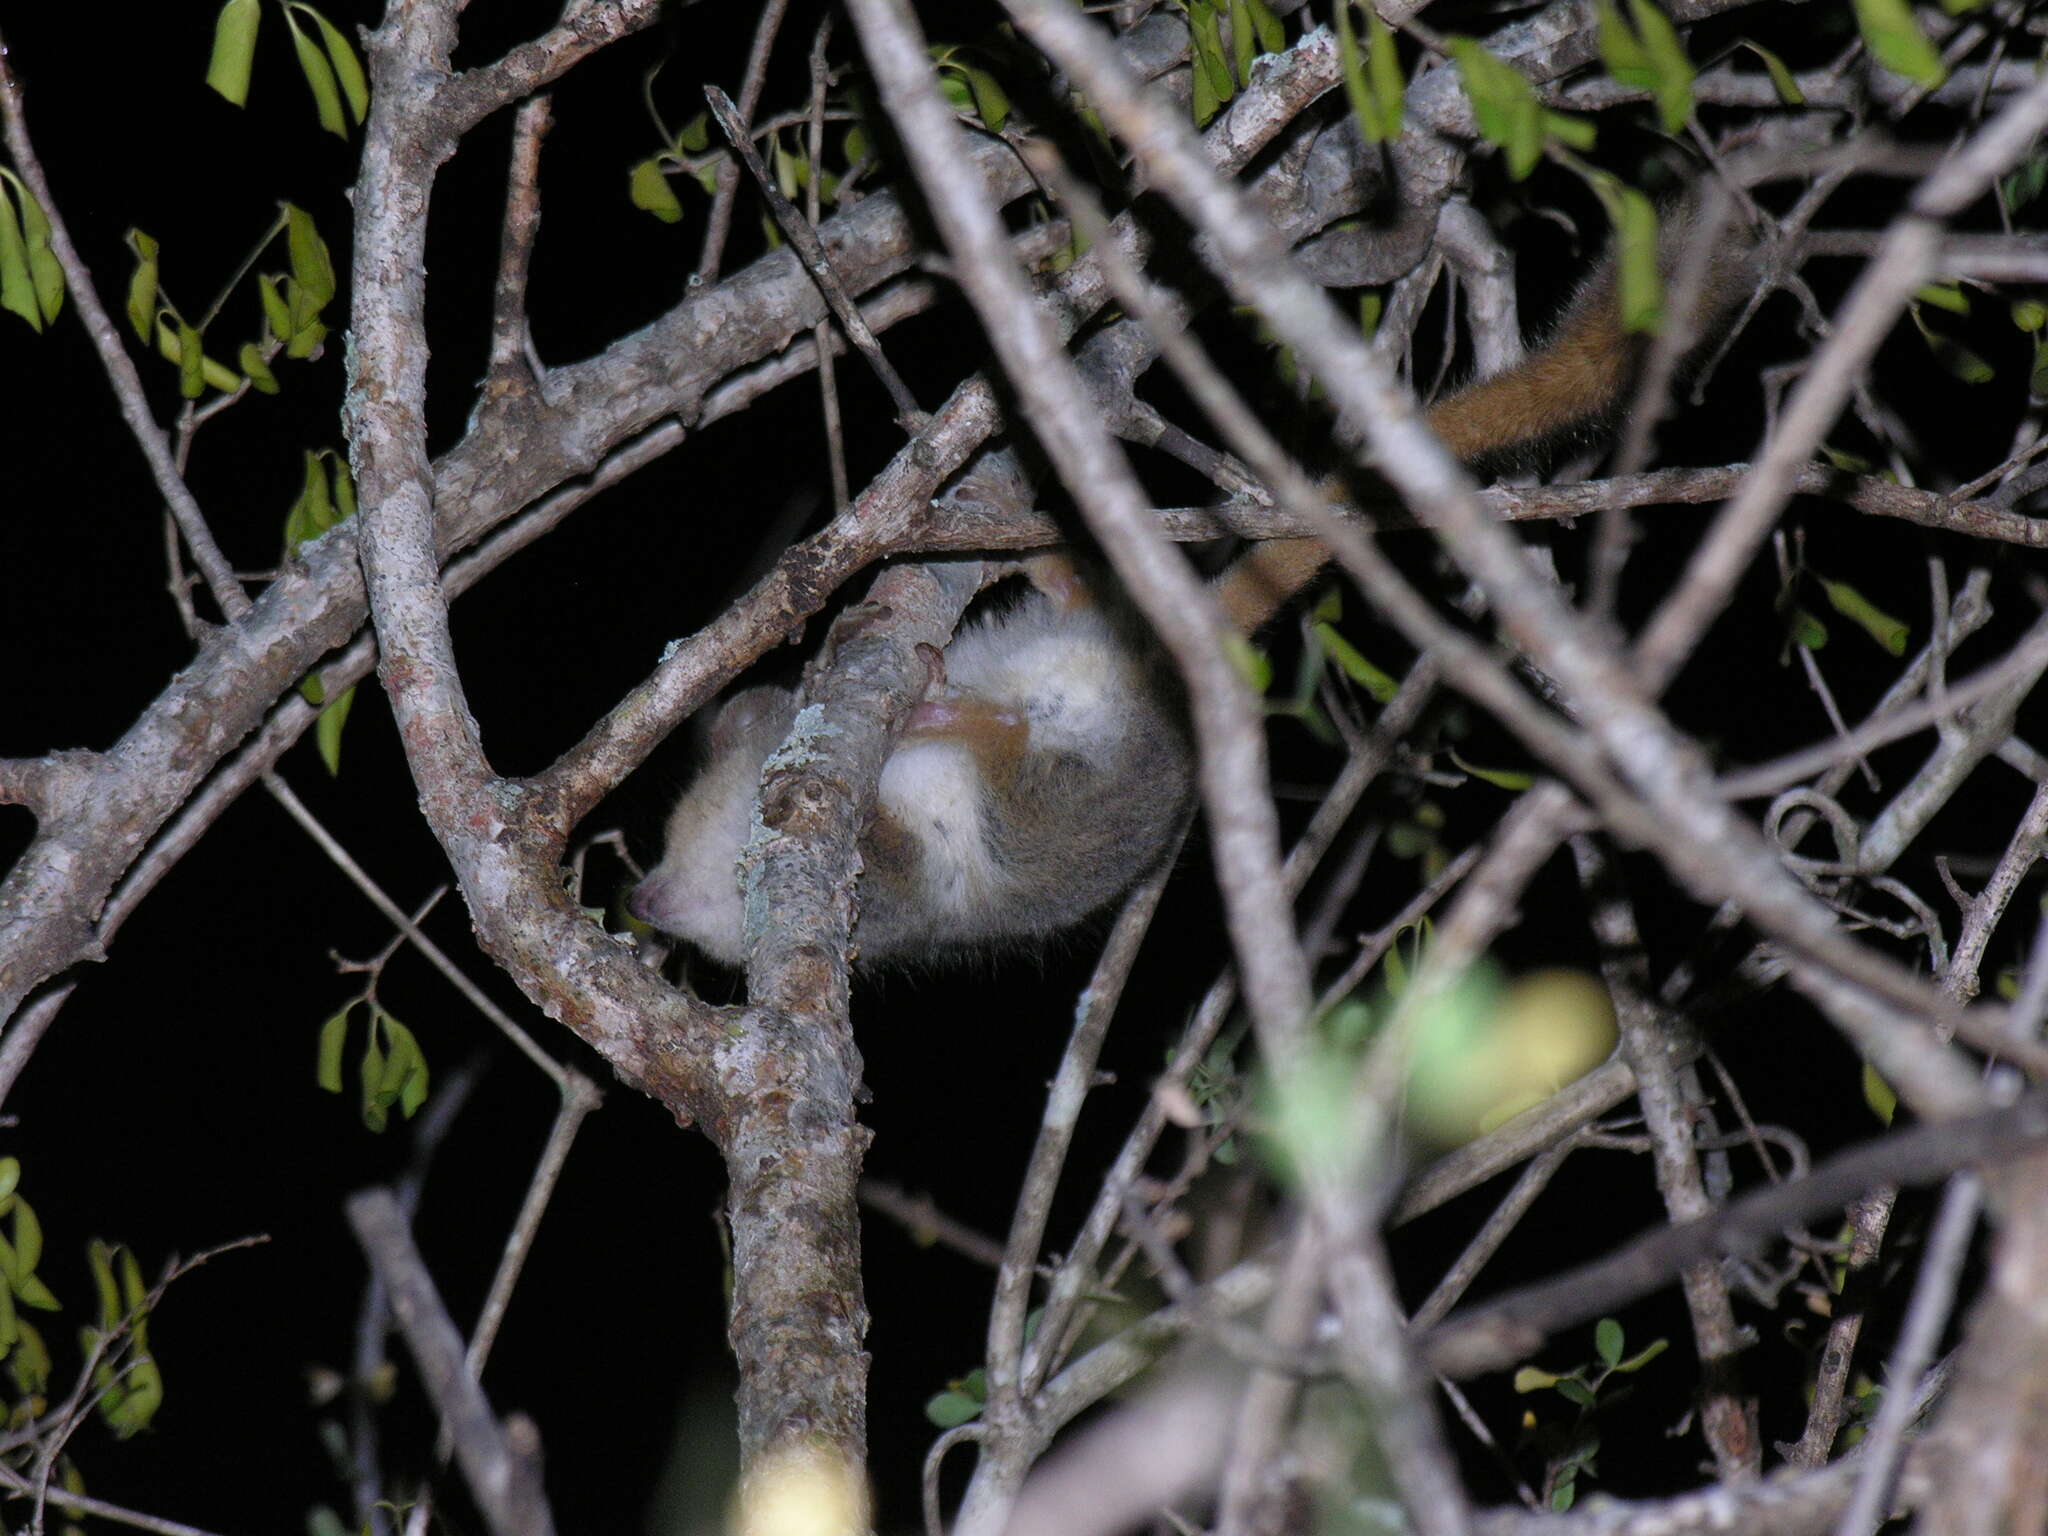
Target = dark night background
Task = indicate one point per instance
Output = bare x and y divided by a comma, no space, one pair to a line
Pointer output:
173,1105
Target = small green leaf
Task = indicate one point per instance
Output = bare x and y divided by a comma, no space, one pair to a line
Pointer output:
1874,621
28,1237
1243,46
142,285
1272,36
333,1040
1608,1341
47,276
1640,287
29,1364
99,1258
234,50
1648,56
1509,779
1354,665
17,284
348,69
1896,41
327,729
1879,1095
311,263
1205,28
319,77
34,1293
991,102
258,371
2029,314
1643,1356
10,1322
1530,1379
1372,75
1252,664
651,193
694,137
1575,1391
10,1176
142,1394
191,363
277,314
1808,631
2037,376
949,1410
1203,101
1781,77
1504,105
2025,181
1948,296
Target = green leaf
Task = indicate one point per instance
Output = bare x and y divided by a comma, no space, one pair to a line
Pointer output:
1243,46
2025,181
1874,621
649,189
1648,56
1896,41
99,1258
312,513
1643,1356
29,1364
2029,314
1781,77
142,1394
2037,376
1879,1095
1807,631
348,69
10,1322
17,285
1640,287
1375,109
142,285
34,1293
319,77
1272,36
311,264
1383,68
949,1410
344,490
191,363
327,729
1355,666
28,1238
1252,664
694,137
1203,100
256,369
1575,1391
333,1040
10,1176
1205,30
234,50
47,276
1529,1378
1504,105
1608,1341
1509,779
1948,296
277,314
991,102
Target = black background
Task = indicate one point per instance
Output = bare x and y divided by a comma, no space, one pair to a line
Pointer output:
173,1105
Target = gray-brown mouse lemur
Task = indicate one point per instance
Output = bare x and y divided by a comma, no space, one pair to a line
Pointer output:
1049,764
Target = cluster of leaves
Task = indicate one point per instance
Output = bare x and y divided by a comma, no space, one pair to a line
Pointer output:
1219,72
31,282
292,305
392,1071
333,72
1570,1450
125,1381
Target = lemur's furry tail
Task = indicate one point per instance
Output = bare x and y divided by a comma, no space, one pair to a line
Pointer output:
1577,379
